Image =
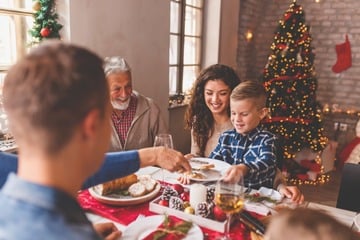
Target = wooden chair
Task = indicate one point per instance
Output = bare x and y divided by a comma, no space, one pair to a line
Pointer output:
349,192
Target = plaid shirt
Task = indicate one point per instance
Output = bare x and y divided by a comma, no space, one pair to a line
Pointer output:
122,123
256,150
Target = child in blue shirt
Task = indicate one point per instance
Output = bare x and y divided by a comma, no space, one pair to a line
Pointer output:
249,148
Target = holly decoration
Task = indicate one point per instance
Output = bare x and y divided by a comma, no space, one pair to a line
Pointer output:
46,25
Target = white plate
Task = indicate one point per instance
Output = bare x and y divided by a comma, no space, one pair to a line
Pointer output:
357,222
213,174
121,200
141,228
271,193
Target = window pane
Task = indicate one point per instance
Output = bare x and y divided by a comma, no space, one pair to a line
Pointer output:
26,4
173,79
191,50
174,17
192,21
7,41
14,37
189,77
196,3
174,43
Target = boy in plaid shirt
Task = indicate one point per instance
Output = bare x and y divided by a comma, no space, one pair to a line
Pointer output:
249,148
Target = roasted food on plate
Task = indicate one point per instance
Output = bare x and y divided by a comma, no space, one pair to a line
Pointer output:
133,185
116,185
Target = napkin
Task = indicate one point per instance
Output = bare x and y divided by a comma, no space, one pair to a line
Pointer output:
170,229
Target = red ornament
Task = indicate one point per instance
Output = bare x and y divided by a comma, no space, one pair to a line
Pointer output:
185,196
164,203
219,214
45,32
287,16
179,188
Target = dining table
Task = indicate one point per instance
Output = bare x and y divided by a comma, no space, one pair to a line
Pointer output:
125,216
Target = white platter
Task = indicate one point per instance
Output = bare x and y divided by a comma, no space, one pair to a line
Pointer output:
213,174
121,200
141,228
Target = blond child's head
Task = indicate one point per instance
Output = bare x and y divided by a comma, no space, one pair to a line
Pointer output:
248,106
307,224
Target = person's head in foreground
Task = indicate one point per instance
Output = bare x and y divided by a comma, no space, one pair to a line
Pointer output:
118,74
57,102
247,106
307,224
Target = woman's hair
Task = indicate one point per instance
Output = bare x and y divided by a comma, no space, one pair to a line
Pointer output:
198,117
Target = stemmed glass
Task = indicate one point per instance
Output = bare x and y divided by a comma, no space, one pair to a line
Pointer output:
229,197
166,141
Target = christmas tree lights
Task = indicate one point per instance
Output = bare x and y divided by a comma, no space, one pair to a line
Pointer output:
290,80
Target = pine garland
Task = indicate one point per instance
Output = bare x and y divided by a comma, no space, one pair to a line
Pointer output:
46,25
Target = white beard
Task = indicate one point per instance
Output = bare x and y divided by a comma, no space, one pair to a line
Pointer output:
122,105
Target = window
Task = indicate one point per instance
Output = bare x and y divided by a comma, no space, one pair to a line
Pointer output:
185,44
15,22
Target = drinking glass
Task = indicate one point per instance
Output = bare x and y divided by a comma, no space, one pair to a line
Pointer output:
164,140
229,197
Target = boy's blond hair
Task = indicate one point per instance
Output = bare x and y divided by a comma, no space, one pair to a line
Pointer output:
307,224
250,90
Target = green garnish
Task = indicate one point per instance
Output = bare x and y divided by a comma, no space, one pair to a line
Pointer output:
169,227
258,198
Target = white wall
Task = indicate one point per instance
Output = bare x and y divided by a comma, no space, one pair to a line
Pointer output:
138,30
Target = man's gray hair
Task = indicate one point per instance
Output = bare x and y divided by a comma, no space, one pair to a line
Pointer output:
115,64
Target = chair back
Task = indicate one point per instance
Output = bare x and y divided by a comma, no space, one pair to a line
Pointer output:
349,192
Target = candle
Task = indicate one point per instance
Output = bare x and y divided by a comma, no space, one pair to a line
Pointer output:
197,194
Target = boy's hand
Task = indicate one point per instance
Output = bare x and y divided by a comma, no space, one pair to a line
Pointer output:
291,192
234,172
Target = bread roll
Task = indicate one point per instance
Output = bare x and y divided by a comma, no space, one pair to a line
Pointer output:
137,189
148,182
117,184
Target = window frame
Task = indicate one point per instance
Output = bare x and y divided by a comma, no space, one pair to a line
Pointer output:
15,12
181,35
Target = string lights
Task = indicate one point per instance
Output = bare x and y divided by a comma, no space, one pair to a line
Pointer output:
289,78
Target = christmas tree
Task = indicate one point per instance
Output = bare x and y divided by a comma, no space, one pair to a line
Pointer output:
45,21
290,80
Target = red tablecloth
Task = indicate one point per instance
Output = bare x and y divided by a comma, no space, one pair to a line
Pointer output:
126,215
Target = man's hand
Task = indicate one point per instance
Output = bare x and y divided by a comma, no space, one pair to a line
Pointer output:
166,158
107,230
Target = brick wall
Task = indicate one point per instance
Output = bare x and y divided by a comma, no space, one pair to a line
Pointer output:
329,21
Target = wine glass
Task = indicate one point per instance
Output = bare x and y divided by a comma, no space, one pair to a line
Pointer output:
165,140
229,197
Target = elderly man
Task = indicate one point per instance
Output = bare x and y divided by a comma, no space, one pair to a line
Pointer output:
136,119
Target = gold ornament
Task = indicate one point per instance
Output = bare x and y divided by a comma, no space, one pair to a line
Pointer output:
36,6
186,204
189,210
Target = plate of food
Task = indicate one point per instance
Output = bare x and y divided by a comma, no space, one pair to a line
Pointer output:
129,190
207,169
146,228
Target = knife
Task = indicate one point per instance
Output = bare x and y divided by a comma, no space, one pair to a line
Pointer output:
251,222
